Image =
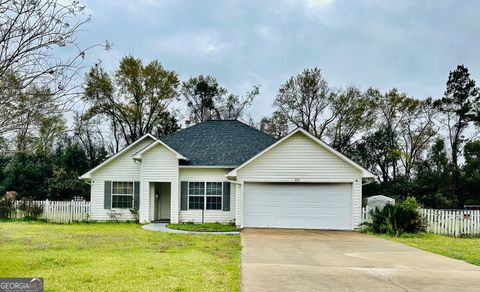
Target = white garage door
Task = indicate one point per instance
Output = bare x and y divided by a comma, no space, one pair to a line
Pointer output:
288,205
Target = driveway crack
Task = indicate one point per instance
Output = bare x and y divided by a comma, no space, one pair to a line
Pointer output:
393,282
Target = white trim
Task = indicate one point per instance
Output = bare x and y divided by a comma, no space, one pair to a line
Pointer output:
293,180
88,174
365,173
139,154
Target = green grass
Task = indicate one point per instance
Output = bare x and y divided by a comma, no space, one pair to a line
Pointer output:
118,257
462,248
212,227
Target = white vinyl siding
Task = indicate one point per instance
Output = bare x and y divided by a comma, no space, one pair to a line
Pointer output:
208,175
122,168
297,205
159,164
300,159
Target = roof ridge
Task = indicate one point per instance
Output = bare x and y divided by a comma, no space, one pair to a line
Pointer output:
218,142
258,130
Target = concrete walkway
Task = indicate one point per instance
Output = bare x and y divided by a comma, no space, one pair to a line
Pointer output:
162,227
302,260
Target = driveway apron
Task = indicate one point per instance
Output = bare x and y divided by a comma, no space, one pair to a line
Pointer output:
308,260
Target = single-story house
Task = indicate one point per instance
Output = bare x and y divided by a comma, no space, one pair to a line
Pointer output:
226,171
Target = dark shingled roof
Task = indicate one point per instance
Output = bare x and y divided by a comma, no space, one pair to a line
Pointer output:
218,143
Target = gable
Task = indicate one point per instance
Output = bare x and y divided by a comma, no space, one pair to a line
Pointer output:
121,163
159,164
298,156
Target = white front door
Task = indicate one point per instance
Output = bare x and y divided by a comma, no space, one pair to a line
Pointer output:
298,205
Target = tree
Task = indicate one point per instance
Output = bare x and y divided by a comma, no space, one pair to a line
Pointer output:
460,104
335,115
416,132
69,162
38,50
354,113
470,180
207,100
378,154
28,174
276,125
135,100
433,179
304,100
87,133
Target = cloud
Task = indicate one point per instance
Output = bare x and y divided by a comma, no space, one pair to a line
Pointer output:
317,4
196,43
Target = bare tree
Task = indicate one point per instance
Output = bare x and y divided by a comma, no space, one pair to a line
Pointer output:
305,99
276,125
38,49
207,100
88,134
416,133
354,113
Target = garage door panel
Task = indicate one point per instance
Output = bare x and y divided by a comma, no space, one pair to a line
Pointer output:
318,206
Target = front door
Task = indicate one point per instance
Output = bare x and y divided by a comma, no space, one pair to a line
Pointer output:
162,201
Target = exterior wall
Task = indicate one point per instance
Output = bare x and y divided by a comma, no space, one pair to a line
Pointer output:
158,165
239,204
357,202
122,168
208,175
299,159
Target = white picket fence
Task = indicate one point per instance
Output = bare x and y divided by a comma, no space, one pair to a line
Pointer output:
447,222
61,211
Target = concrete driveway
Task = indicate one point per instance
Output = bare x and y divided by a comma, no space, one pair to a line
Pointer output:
302,260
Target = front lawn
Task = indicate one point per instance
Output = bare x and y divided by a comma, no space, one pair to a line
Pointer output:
467,249
207,227
118,257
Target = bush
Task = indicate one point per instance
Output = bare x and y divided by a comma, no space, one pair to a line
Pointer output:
135,215
397,219
30,209
7,207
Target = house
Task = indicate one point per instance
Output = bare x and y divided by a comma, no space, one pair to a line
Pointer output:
226,171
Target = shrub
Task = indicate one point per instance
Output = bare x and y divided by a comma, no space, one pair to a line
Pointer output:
30,209
7,206
114,215
403,217
135,214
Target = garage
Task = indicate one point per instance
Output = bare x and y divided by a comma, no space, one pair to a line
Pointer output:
298,205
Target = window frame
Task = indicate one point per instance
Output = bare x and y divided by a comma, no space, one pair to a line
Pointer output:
204,196
214,196
113,194
198,196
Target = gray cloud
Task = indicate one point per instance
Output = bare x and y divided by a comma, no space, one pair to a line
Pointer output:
410,45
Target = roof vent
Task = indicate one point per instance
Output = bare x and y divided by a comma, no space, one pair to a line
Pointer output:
187,123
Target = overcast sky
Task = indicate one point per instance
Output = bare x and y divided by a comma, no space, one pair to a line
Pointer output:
410,45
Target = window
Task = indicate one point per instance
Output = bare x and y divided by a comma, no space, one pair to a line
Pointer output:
203,195
122,194
214,195
196,193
